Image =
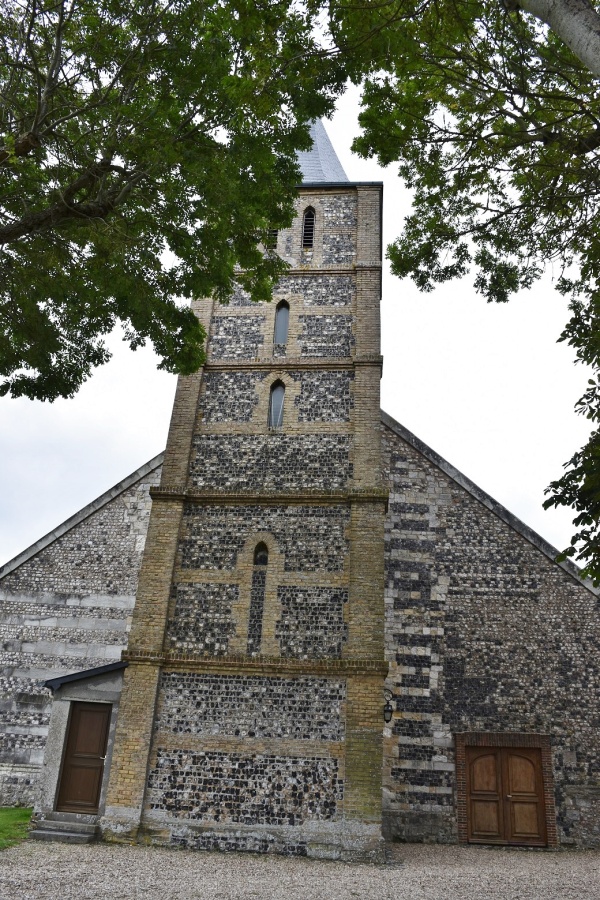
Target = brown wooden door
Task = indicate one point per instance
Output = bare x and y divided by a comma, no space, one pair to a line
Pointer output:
505,796
83,762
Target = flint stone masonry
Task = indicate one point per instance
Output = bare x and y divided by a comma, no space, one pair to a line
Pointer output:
338,249
315,290
339,212
63,609
273,461
254,790
25,718
484,633
327,336
312,622
201,618
318,290
19,748
228,396
232,397
325,397
101,555
226,842
228,340
312,538
252,706
240,297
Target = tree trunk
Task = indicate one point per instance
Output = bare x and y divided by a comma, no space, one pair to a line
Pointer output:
575,22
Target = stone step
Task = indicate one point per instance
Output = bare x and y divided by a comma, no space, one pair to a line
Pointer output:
82,818
65,837
80,827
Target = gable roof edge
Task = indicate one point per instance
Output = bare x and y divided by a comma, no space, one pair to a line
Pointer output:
54,683
488,501
80,516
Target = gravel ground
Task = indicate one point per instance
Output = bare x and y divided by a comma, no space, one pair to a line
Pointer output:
37,871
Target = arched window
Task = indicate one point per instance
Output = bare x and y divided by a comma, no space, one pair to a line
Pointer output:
308,229
276,405
257,598
282,319
261,554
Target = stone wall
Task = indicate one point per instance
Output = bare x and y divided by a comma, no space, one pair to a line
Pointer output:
307,709
312,538
328,336
202,617
229,341
254,745
276,462
318,290
233,397
484,633
66,607
311,623
257,789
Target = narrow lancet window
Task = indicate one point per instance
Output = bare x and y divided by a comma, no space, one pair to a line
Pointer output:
308,229
257,598
282,320
276,405
261,555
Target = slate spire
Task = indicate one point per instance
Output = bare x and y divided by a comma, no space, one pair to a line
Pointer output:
320,164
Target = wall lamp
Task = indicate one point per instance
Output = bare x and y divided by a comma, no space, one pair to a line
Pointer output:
388,708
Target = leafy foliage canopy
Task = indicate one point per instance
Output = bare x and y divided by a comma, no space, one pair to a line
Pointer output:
145,149
495,125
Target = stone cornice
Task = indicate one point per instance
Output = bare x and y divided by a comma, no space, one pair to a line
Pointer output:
294,362
322,498
272,664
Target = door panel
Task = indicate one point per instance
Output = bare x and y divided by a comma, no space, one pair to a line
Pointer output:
521,773
485,818
485,773
505,797
525,796
484,797
524,820
83,762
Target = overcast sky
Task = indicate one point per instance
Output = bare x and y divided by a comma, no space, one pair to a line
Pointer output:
485,386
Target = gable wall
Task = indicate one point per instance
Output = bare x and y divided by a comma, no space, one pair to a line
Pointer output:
65,609
484,633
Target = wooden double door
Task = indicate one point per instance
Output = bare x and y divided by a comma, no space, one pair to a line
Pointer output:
83,760
505,796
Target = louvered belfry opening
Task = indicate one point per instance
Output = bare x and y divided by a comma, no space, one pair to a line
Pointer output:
308,229
271,239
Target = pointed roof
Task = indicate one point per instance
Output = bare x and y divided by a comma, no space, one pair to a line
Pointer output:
320,164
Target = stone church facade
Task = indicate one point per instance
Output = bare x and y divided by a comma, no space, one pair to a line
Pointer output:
299,628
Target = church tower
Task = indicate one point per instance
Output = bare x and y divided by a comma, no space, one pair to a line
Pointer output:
252,708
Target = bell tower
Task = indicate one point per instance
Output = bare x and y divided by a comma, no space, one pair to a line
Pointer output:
252,707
